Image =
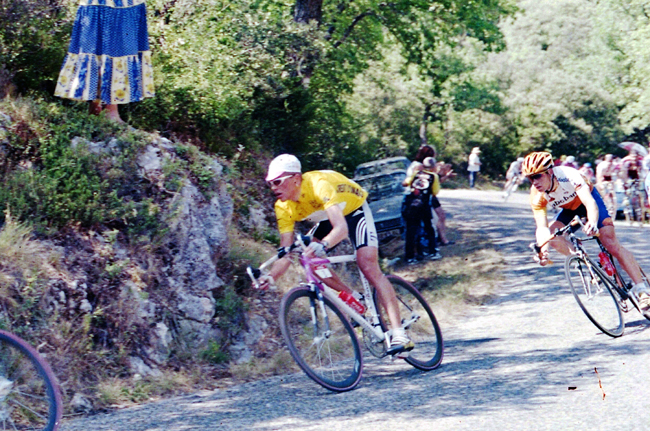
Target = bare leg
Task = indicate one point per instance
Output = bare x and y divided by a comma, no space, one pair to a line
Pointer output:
335,282
112,113
623,255
609,240
442,228
95,107
367,259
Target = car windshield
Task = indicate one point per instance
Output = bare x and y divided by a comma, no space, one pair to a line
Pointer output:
382,186
379,166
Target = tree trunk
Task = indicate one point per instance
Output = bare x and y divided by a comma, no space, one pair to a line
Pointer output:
423,126
307,10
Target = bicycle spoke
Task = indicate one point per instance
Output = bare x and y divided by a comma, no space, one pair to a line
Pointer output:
331,357
592,291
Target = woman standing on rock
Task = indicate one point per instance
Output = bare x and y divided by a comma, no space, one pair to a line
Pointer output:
108,61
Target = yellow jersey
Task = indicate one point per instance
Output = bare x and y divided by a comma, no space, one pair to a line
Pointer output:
319,190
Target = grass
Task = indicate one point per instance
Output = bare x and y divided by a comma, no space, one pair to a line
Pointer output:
468,275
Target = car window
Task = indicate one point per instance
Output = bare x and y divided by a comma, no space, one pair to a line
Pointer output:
382,186
379,166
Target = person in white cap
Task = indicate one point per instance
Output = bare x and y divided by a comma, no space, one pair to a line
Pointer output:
340,208
473,165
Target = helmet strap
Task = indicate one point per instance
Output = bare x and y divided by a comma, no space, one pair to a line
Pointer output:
552,181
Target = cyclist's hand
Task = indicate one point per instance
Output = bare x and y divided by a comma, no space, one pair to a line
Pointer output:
315,249
590,228
266,282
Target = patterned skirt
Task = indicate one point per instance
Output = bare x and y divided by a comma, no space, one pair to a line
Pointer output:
109,56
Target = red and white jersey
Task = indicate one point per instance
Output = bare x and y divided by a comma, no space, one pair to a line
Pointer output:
564,194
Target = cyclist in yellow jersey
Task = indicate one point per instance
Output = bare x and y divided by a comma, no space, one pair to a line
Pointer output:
565,188
339,206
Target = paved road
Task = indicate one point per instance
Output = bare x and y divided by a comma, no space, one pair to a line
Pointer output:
508,365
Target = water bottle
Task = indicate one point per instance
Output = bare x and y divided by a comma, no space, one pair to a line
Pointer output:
352,302
605,263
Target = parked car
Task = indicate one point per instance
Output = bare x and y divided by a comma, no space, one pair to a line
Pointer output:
382,165
385,196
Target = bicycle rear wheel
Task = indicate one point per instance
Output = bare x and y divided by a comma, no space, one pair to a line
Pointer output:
29,395
594,296
420,323
321,340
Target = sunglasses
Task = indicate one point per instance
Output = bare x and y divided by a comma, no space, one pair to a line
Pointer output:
278,181
536,176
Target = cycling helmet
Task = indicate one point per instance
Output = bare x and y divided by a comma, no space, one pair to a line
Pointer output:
535,163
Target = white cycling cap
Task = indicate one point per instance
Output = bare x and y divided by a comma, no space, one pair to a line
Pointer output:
283,163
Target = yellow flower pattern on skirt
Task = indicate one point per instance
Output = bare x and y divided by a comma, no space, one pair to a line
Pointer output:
70,82
109,57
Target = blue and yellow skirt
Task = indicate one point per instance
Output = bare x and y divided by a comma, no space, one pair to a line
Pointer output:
109,57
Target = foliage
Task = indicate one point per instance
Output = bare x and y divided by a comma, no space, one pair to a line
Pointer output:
33,40
53,180
24,265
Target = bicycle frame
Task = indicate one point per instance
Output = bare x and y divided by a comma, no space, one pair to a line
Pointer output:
321,289
616,280
372,325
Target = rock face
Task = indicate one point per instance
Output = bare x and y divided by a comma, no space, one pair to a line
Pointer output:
199,235
197,238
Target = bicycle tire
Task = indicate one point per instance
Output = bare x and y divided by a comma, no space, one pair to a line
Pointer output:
29,395
333,360
425,332
595,296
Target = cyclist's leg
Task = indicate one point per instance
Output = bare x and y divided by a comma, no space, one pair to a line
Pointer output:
623,255
368,261
363,235
319,232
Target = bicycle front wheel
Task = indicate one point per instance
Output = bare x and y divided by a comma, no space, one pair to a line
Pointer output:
29,395
420,323
321,340
595,297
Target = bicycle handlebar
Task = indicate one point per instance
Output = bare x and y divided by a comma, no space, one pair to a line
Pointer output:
577,221
255,273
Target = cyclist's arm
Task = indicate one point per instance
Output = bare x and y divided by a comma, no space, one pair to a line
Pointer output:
339,228
542,233
280,266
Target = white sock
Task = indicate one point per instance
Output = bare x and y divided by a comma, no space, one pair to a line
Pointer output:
641,288
399,332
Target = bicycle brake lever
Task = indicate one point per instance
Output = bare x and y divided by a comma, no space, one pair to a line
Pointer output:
254,274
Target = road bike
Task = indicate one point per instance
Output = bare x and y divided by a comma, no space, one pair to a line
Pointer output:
512,185
598,286
321,330
30,398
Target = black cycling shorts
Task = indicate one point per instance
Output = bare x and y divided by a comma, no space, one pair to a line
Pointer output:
435,203
361,228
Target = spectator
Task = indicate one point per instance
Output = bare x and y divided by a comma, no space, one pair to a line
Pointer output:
473,166
588,172
444,171
417,211
570,161
108,60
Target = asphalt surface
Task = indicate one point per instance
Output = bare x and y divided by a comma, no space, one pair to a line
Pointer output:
529,360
